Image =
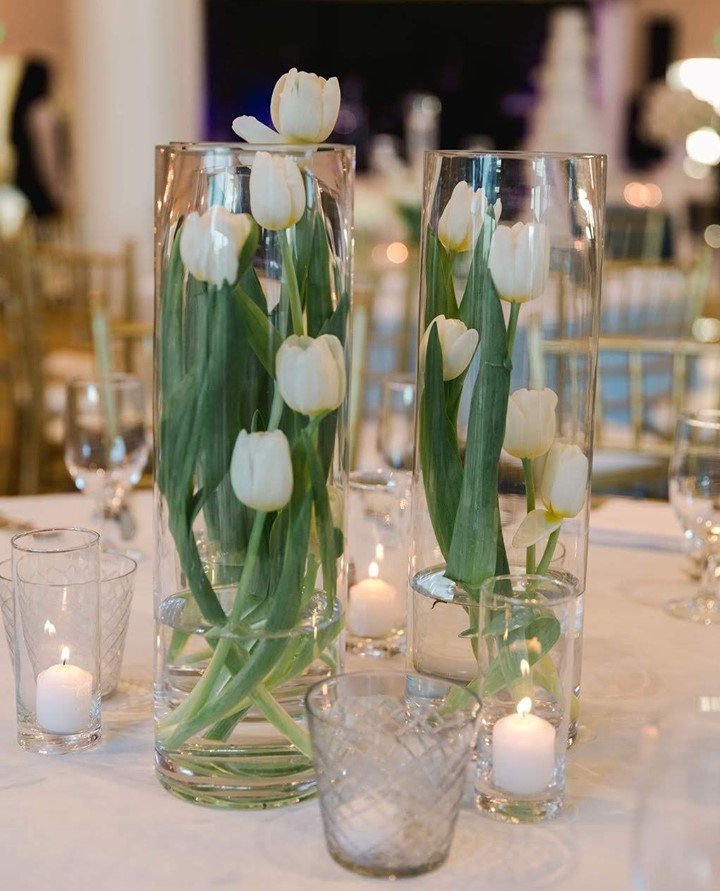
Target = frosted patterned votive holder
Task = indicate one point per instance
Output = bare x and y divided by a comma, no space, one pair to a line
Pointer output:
56,640
525,646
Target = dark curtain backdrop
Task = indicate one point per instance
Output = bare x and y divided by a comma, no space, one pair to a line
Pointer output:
477,57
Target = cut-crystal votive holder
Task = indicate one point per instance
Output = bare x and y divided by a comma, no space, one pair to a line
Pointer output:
56,640
525,645
391,752
378,517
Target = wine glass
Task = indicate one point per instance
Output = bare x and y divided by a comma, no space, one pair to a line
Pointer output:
106,445
694,483
396,429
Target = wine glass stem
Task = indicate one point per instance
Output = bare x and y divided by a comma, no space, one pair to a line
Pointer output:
709,583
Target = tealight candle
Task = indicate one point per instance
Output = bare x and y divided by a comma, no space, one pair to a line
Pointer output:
64,697
523,751
373,609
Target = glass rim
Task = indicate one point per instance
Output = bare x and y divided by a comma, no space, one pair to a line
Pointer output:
119,380
392,674
701,416
93,538
516,155
116,555
564,591
374,480
202,148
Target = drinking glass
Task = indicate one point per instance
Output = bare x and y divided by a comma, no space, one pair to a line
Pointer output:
106,445
396,428
694,484
391,752
56,641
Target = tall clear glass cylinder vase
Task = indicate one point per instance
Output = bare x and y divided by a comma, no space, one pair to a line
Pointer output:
509,314
253,274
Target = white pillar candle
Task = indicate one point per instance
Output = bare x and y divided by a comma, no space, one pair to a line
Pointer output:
64,697
523,748
374,609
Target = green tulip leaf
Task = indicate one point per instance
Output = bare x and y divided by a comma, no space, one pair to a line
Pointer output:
439,454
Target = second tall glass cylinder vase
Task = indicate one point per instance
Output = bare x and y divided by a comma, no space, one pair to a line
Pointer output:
512,255
253,260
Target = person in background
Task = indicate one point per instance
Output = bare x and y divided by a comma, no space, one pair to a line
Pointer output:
40,170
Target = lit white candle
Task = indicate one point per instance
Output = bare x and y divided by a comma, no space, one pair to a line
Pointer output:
523,748
374,609
64,697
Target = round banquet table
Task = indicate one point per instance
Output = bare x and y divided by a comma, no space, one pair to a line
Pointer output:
100,819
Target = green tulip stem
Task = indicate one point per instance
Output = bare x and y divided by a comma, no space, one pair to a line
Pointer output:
512,327
292,283
205,686
279,717
530,504
548,553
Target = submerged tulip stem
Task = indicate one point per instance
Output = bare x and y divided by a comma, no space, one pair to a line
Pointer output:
530,503
512,327
547,556
292,283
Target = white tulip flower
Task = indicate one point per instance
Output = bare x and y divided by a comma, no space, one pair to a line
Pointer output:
277,191
530,425
310,373
261,470
457,342
304,108
520,261
463,217
562,490
211,244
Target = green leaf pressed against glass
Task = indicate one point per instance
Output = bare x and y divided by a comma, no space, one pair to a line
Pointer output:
439,289
222,338
439,454
475,549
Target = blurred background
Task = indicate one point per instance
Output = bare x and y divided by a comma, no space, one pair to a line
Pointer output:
89,87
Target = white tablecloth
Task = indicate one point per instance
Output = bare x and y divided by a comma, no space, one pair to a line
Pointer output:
100,819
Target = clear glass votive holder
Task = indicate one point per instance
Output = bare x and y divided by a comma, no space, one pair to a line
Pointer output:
378,538
391,752
56,641
525,644
396,424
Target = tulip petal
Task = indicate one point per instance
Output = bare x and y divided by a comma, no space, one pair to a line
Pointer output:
536,526
330,108
252,130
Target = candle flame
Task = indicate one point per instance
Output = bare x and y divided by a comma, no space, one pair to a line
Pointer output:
65,656
373,570
524,706
524,667
379,551
49,628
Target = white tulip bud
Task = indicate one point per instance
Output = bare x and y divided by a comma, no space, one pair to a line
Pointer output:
562,489
463,217
457,342
564,480
211,244
310,373
277,191
520,261
304,108
261,470
530,425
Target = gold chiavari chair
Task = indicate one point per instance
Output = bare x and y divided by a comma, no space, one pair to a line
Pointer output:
50,338
634,423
